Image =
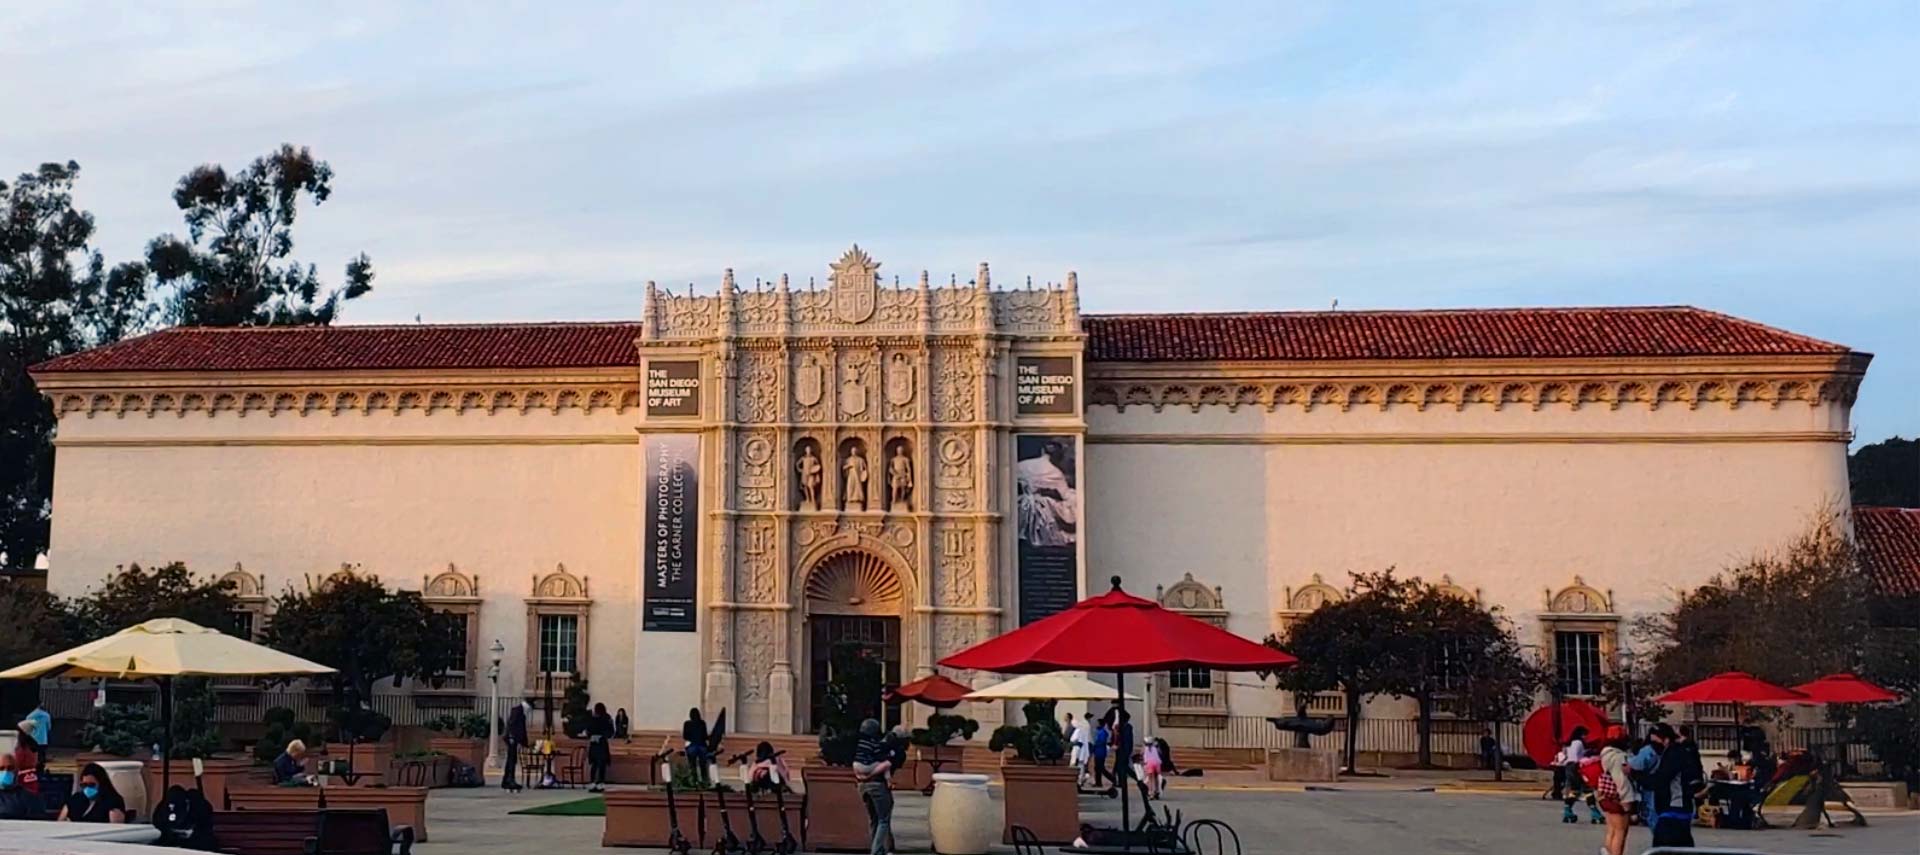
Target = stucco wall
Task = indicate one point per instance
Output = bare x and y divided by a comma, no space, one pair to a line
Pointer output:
503,496
1642,502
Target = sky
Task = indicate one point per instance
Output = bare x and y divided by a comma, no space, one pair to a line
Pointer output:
542,161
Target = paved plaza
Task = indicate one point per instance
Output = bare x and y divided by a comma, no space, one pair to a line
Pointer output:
471,822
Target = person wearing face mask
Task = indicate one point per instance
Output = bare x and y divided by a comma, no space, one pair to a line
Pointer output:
15,801
26,757
95,800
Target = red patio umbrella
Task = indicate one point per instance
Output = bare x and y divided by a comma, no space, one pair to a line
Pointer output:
1733,687
1537,735
935,691
1120,634
1844,689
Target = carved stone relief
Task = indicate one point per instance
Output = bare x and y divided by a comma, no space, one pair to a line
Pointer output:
854,475
955,466
809,379
956,570
953,392
756,653
902,384
756,561
756,471
855,385
899,475
759,392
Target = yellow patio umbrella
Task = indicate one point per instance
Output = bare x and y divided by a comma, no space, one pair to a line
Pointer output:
1051,686
160,650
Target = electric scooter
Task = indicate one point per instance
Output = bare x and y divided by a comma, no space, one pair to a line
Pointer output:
756,843
787,845
729,843
677,843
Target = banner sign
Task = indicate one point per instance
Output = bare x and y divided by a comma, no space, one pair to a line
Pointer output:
673,532
673,388
1047,498
1043,385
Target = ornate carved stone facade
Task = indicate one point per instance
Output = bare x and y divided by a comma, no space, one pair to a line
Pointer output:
855,430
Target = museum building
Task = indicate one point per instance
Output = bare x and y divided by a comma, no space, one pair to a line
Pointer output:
698,507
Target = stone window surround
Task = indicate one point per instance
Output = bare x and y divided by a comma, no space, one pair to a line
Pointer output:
556,593
1195,600
1578,607
456,593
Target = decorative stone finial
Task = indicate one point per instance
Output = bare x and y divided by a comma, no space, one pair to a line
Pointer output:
984,279
783,281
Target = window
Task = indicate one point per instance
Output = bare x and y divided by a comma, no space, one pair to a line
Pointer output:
1576,655
559,644
462,628
243,624
1447,668
1190,678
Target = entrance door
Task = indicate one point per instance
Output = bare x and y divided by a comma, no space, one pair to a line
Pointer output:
856,655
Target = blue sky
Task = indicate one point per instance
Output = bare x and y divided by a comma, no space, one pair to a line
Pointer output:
542,161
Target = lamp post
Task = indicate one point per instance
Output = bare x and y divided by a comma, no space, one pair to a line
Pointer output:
493,707
1626,692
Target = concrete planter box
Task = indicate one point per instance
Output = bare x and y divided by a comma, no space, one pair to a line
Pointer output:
639,818
404,805
472,752
836,815
1891,795
1042,798
1302,764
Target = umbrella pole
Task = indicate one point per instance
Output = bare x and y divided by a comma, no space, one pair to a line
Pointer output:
166,736
1123,766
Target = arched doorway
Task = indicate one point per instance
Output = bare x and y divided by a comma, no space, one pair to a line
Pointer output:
853,632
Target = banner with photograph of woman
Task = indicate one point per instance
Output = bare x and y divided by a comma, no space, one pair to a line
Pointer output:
1047,502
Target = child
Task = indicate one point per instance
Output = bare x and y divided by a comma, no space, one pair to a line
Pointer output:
1150,767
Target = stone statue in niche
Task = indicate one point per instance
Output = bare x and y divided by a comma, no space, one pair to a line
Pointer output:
900,479
809,468
853,479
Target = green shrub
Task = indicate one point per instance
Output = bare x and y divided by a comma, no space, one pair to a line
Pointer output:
1038,741
282,728
121,729
469,726
942,728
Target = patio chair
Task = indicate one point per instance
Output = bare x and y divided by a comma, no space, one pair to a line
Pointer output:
1210,837
574,772
413,773
533,767
1025,842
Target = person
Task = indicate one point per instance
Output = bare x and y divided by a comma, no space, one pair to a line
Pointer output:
1618,796
43,731
15,801
599,748
769,770
1489,750
1695,770
516,739
694,734
94,799
1575,755
1080,735
1669,792
872,762
622,726
1150,767
288,768
1102,739
26,757
1122,748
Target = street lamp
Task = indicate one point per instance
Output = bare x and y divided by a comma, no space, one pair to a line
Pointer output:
1626,692
493,708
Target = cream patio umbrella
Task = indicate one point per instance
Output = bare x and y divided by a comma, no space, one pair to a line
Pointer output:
160,650
1051,686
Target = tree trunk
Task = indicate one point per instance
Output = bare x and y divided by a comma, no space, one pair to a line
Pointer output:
1353,731
1424,701
1300,739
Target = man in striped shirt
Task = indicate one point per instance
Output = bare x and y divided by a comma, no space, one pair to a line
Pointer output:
872,762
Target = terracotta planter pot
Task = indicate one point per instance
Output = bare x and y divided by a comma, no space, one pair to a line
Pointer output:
404,805
639,818
920,766
472,752
218,774
1042,798
632,766
368,757
836,815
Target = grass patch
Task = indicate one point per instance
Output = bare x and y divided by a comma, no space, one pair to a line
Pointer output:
594,806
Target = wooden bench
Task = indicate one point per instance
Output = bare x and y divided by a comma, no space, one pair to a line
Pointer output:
265,832
345,831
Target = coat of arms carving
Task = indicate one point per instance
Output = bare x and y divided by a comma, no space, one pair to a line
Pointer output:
900,380
809,380
856,286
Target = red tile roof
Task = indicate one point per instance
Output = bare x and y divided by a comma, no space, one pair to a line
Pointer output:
1656,331
423,346
1280,336
1889,540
